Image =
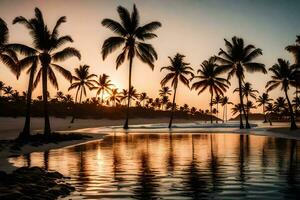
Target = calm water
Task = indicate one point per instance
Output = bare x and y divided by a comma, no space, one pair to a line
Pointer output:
178,166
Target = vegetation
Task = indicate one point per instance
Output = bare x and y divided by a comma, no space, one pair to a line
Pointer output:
41,59
131,36
178,71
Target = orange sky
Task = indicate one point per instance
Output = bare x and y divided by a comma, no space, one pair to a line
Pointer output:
193,28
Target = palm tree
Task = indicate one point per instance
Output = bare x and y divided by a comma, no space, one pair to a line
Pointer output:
164,101
7,55
114,96
264,100
124,95
280,106
143,97
43,54
237,58
178,70
247,91
133,94
104,85
165,91
216,101
60,96
131,36
296,103
284,76
2,87
224,102
295,50
270,111
236,109
80,81
8,90
209,78
250,105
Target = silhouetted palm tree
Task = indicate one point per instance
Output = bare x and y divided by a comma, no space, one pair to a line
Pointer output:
143,97
283,74
280,106
236,109
178,70
237,58
224,102
103,85
295,50
114,96
165,91
250,105
209,78
164,101
80,81
216,101
2,87
60,95
270,108
45,43
263,100
8,90
247,91
8,56
131,36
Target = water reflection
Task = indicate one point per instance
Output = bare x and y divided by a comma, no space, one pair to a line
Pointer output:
177,166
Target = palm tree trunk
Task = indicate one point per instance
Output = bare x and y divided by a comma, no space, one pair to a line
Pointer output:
264,111
217,112
223,113
128,100
102,98
293,122
173,106
241,102
47,130
24,135
211,116
73,117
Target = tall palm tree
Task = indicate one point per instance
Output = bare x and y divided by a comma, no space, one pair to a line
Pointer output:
165,91
103,85
225,102
209,78
7,55
178,70
237,58
283,74
264,100
216,101
44,53
80,81
131,36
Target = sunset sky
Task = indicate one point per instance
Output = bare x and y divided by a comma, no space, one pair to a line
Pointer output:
195,28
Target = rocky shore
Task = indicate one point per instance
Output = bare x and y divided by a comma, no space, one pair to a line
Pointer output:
33,184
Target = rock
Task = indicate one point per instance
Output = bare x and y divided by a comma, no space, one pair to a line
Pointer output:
55,175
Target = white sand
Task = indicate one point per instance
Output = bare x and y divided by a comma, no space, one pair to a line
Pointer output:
11,127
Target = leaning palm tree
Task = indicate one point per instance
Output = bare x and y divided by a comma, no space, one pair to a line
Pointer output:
80,81
209,78
264,100
103,85
283,74
165,91
131,36
7,55
236,109
178,71
225,102
44,53
237,58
